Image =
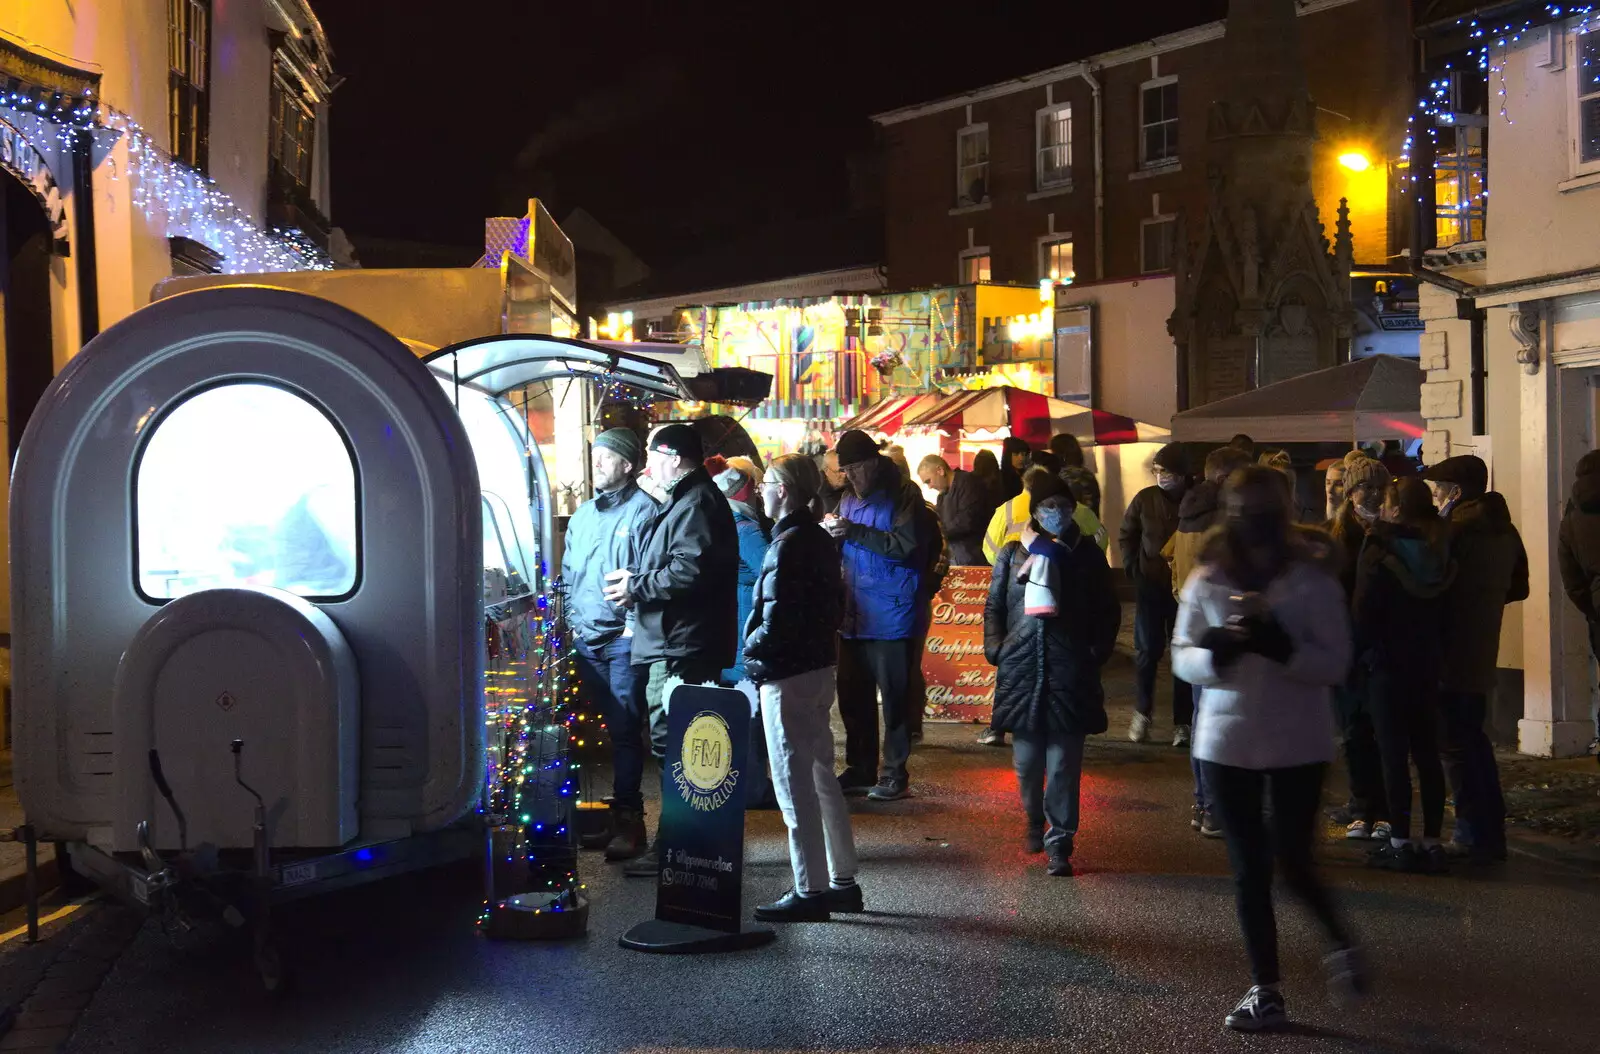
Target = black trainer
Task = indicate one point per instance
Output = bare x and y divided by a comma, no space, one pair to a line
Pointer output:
1261,1010
846,900
1033,842
889,790
1059,864
1403,858
795,907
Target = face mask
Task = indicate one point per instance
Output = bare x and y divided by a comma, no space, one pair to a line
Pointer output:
1052,518
1365,514
1169,483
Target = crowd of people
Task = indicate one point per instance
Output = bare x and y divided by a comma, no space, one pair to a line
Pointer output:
1371,624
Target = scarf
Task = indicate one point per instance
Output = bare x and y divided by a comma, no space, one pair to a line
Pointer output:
1043,581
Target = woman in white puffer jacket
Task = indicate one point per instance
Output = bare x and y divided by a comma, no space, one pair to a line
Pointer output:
1263,632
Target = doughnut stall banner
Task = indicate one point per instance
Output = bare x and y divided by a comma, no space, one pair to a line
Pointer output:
960,682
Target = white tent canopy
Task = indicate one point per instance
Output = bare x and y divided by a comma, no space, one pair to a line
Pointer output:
1368,399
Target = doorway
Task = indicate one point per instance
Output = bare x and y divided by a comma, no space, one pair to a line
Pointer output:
25,301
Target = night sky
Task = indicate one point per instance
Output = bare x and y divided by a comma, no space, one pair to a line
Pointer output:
677,125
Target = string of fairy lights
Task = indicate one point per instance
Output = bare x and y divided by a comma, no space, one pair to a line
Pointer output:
183,202
1487,58
532,722
531,719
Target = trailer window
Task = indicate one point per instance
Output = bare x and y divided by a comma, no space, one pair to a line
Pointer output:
246,484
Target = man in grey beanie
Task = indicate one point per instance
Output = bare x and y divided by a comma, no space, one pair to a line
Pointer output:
607,533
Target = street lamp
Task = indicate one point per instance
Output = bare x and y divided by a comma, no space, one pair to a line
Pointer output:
1355,161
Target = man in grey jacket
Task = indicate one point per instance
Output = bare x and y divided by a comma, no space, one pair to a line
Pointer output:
607,533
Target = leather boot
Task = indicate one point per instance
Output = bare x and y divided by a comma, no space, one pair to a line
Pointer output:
628,838
601,838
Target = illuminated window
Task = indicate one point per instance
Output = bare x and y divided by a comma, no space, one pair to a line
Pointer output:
1053,167
1158,122
1055,258
1587,69
293,129
1157,244
188,62
245,484
974,266
1460,169
972,165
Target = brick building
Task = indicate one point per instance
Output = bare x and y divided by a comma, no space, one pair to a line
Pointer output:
1084,171
1015,163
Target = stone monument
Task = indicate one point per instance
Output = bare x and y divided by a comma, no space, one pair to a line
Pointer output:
1261,296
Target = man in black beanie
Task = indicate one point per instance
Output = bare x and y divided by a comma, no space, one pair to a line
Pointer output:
1152,519
684,586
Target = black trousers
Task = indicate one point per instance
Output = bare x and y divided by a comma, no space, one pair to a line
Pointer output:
1474,775
869,669
1252,845
1405,718
1362,760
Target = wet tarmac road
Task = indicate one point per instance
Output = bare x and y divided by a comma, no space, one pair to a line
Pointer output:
967,946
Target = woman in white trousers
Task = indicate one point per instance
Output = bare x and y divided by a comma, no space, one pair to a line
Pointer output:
791,651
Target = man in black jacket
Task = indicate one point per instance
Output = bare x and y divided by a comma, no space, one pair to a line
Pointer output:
684,588
1152,519
964,506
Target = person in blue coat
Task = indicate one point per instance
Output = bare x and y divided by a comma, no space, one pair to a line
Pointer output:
876,528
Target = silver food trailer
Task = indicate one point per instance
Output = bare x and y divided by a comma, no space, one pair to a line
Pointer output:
283,620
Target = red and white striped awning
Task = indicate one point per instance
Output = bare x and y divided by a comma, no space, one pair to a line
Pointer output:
1032,417
888,415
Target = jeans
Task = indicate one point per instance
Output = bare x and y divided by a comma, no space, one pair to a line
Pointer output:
1474,775
1049,773
1363,762
1405,717
1252,844
619,687
656,705
867,670
1154,613
1202,796
800,743
916,684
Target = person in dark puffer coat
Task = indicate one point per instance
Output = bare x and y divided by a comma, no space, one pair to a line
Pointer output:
1047,681
1578,547
791,651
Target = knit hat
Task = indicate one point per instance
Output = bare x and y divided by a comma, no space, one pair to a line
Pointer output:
1364,472
1589,464
735,477
1467,471
854,447
1171,458
623,442
681,440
